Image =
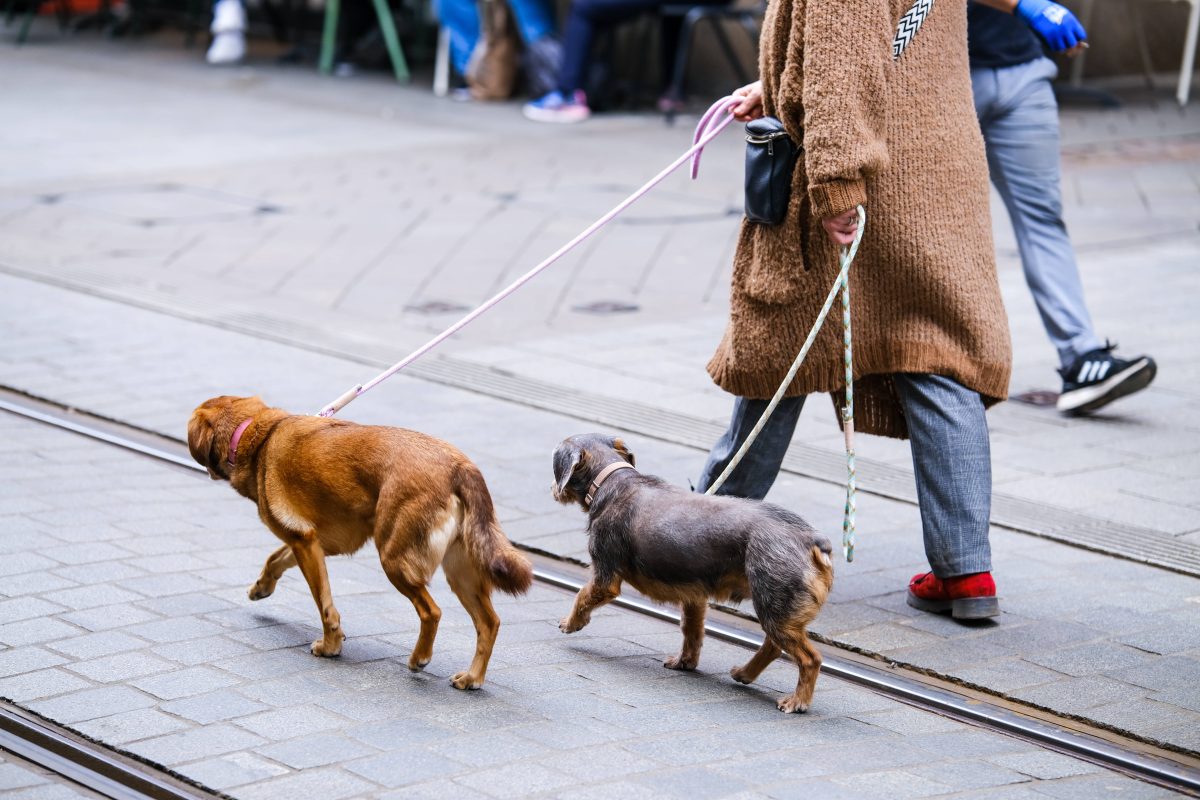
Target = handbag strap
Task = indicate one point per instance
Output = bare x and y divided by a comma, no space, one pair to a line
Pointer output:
910,23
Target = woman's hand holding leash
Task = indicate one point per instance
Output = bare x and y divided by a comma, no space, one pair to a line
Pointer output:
751,106
842,228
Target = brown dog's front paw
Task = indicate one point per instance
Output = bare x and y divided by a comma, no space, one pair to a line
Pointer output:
680,663
465,680
417,663
570,625
326,649
739,675
258,591
792,705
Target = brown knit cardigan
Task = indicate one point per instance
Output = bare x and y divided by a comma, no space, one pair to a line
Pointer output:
900,137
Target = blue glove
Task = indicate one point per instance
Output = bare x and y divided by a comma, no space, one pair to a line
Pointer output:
1052,22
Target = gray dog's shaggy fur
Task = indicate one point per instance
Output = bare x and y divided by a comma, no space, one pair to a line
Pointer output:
679,547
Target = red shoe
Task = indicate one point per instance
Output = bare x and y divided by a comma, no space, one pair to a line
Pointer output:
965,596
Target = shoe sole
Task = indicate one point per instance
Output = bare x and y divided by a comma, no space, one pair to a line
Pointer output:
963,608
537,115
1132,379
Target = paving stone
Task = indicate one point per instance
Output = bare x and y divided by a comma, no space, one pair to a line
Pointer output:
92,596
694,783
219,706
121,667
1045,765
516,780
892,784
95,645
290,722
33,583
175,630
35,631
389,735
1110,784
23,608
201,651
232,770
40,684
108,617
327,783
1074,695
27,659
15,776
196,743
92,703
1090,659
130,726
400,767
317,750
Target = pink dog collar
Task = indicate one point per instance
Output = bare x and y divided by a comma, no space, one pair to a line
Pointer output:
236,439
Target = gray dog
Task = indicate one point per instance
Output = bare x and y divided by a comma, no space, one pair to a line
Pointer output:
675,546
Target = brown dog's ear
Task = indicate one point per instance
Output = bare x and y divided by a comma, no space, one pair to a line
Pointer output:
202,443
622,451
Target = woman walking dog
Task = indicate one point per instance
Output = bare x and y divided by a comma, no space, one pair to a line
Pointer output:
878,94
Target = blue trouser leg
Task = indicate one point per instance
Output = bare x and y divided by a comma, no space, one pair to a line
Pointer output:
461,19
1019,119
952,463
535,19
583,19
756,472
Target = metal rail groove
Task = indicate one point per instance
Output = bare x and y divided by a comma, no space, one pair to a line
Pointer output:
86,764
1136,759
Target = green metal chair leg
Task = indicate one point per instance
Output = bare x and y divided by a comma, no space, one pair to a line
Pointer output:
388,26
329,36
30,13
10,11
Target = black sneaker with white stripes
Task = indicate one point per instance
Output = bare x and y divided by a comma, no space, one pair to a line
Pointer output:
1097,378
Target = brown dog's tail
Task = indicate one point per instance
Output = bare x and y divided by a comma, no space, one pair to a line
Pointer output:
824,565
508,570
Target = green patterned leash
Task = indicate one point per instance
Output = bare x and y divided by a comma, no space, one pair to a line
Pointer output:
842,282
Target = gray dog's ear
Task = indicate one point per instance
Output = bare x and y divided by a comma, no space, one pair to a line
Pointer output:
622,451
567,459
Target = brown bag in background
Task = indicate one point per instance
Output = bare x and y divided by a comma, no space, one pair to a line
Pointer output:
492,68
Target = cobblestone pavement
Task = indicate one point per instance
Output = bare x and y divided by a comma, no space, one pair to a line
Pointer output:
356,217
129,623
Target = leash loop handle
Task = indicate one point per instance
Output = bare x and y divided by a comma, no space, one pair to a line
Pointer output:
840,283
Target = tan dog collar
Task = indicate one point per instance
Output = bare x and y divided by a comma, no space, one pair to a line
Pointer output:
601,478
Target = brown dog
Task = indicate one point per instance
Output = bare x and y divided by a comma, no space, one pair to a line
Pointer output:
327,486
675,546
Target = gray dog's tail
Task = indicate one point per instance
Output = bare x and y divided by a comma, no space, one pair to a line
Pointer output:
494,554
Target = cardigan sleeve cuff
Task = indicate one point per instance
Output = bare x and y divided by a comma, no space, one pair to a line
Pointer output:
836,197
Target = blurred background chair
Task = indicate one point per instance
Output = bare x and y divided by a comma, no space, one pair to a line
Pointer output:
1134,9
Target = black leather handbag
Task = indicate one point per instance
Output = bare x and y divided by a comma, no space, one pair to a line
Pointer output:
770,160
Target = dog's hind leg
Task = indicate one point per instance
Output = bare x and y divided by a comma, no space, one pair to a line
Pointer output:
311,558
692,623
809,661
278,563
474,592
749,672
427,610
596,593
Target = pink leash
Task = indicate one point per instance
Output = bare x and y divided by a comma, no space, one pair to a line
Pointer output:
709,127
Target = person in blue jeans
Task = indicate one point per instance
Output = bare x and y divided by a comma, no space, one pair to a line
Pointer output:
567,102
1019,119
535,25
951,450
